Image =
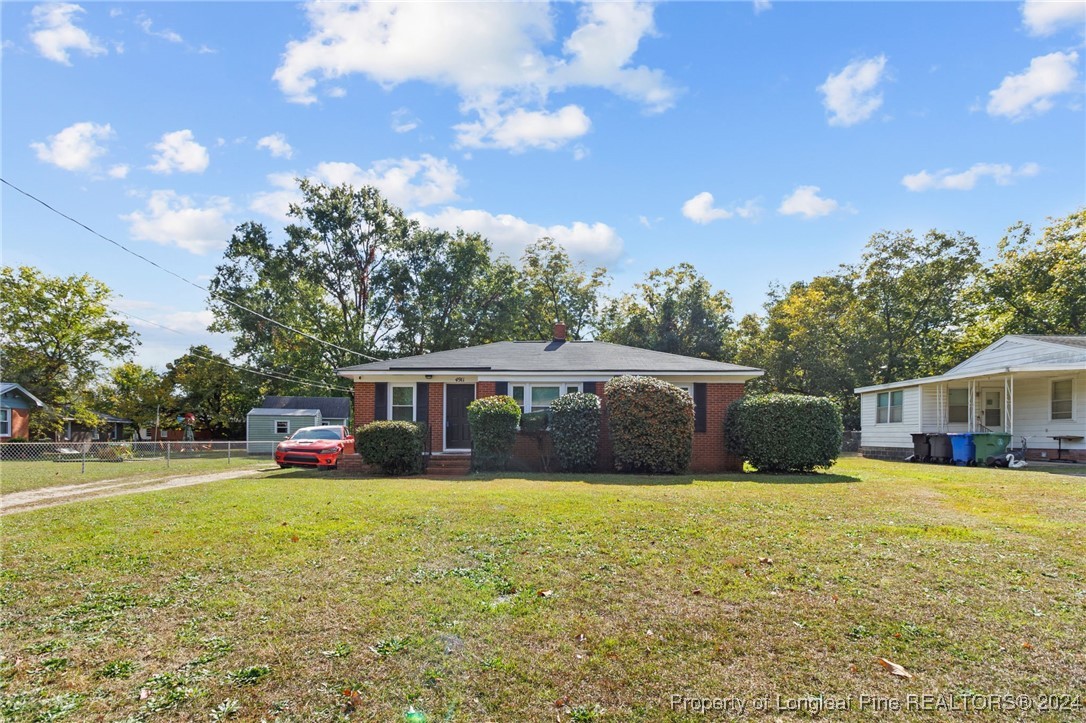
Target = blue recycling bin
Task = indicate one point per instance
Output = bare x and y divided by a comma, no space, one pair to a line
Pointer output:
964,448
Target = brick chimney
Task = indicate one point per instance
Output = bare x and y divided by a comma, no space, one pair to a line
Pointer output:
559,331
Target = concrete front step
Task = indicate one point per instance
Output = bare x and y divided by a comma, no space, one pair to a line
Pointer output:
449,465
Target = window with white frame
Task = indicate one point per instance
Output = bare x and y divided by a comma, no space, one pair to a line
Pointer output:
888,407
282,426
5,422
1062,399
402,403
957,406
538,396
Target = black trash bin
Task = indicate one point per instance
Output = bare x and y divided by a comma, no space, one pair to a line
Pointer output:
940,447
921,448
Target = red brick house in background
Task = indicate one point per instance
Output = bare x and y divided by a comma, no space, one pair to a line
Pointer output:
437,388
15,406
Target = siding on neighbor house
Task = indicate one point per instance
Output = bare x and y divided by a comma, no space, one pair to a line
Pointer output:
261,433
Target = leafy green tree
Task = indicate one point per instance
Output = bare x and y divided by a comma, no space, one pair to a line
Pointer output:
1036,285
673,310
135,392
202,382
556,289
56,334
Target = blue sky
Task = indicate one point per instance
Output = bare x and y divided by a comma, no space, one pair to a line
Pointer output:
759,141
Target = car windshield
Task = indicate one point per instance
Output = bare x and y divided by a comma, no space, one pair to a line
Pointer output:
328,433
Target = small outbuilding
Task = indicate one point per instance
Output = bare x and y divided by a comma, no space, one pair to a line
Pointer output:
265,428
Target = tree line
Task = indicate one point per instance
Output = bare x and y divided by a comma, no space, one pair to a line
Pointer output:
354,271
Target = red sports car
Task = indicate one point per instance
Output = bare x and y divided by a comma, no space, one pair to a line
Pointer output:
319,447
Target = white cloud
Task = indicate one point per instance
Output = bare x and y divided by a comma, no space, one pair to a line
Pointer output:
172,219
179,151
1002,173
760,6
1031,92
520,130
168,35
277,145
119,171
403,121
806,202
1044,17
850,96
407,182
510,234
54,32
491,53
75,147
700,209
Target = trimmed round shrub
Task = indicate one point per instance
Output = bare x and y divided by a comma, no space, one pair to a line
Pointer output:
651,424
575,429
493,423
784,432
395,447
534,422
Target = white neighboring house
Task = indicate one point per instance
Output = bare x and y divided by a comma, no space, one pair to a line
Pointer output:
1031,387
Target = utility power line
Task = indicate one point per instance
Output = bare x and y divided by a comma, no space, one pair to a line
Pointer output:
206,290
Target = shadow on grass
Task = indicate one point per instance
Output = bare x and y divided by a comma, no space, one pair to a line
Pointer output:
644,480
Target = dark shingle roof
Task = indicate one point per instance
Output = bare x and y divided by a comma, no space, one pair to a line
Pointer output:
551,356
1075,341
331,407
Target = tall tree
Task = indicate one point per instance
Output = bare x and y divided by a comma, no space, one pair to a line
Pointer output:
556,289
217,394
673,310
56,334
135,392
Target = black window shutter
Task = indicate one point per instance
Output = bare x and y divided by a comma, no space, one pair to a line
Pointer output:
422,402
501,388
589,387
699,407
380,400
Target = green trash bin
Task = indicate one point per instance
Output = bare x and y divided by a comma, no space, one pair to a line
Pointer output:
990,445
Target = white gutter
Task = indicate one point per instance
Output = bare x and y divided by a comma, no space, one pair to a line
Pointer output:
490,375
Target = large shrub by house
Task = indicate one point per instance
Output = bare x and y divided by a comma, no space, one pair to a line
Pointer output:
395,447
651,424
784,432
575,430
493,423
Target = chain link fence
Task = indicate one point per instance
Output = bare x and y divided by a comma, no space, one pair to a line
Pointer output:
84,453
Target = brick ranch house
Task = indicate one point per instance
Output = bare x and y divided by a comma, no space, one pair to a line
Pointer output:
437,388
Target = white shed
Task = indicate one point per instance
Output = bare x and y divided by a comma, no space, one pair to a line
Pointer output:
1031,387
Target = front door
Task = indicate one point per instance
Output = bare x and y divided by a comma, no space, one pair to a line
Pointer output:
992,411
457,429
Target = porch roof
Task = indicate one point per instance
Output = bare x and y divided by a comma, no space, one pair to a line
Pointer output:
979,374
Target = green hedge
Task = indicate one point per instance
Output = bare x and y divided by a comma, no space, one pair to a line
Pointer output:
395,447
534,422
785,432
575,429
493,423
651,424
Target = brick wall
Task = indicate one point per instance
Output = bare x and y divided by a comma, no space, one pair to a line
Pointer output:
437,416
486,389
710,452
19,424
364,399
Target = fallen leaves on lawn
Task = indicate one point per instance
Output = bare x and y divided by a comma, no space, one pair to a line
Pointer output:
545,593
293,538
354,700
894,668
765,560
562,702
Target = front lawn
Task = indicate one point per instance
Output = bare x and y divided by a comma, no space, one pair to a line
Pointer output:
20,476
549,598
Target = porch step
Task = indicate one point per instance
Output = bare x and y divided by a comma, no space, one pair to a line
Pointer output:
449,465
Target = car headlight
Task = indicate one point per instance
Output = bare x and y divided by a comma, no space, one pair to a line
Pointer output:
330,450
279,447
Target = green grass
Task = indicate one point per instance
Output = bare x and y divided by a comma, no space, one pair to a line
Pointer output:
24,476
530,599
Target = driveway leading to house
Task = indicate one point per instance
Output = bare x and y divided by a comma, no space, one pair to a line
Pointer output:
52,496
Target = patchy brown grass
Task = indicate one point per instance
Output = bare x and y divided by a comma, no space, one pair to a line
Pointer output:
282,592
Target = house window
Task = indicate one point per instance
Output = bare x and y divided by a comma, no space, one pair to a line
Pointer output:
1062,399
402,407
888,407
5,422
282,426
957,406
538,397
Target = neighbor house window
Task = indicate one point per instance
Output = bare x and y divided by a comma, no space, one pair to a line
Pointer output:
282,426
1062,399
403,403
538,397
957,406
888,407
5,422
